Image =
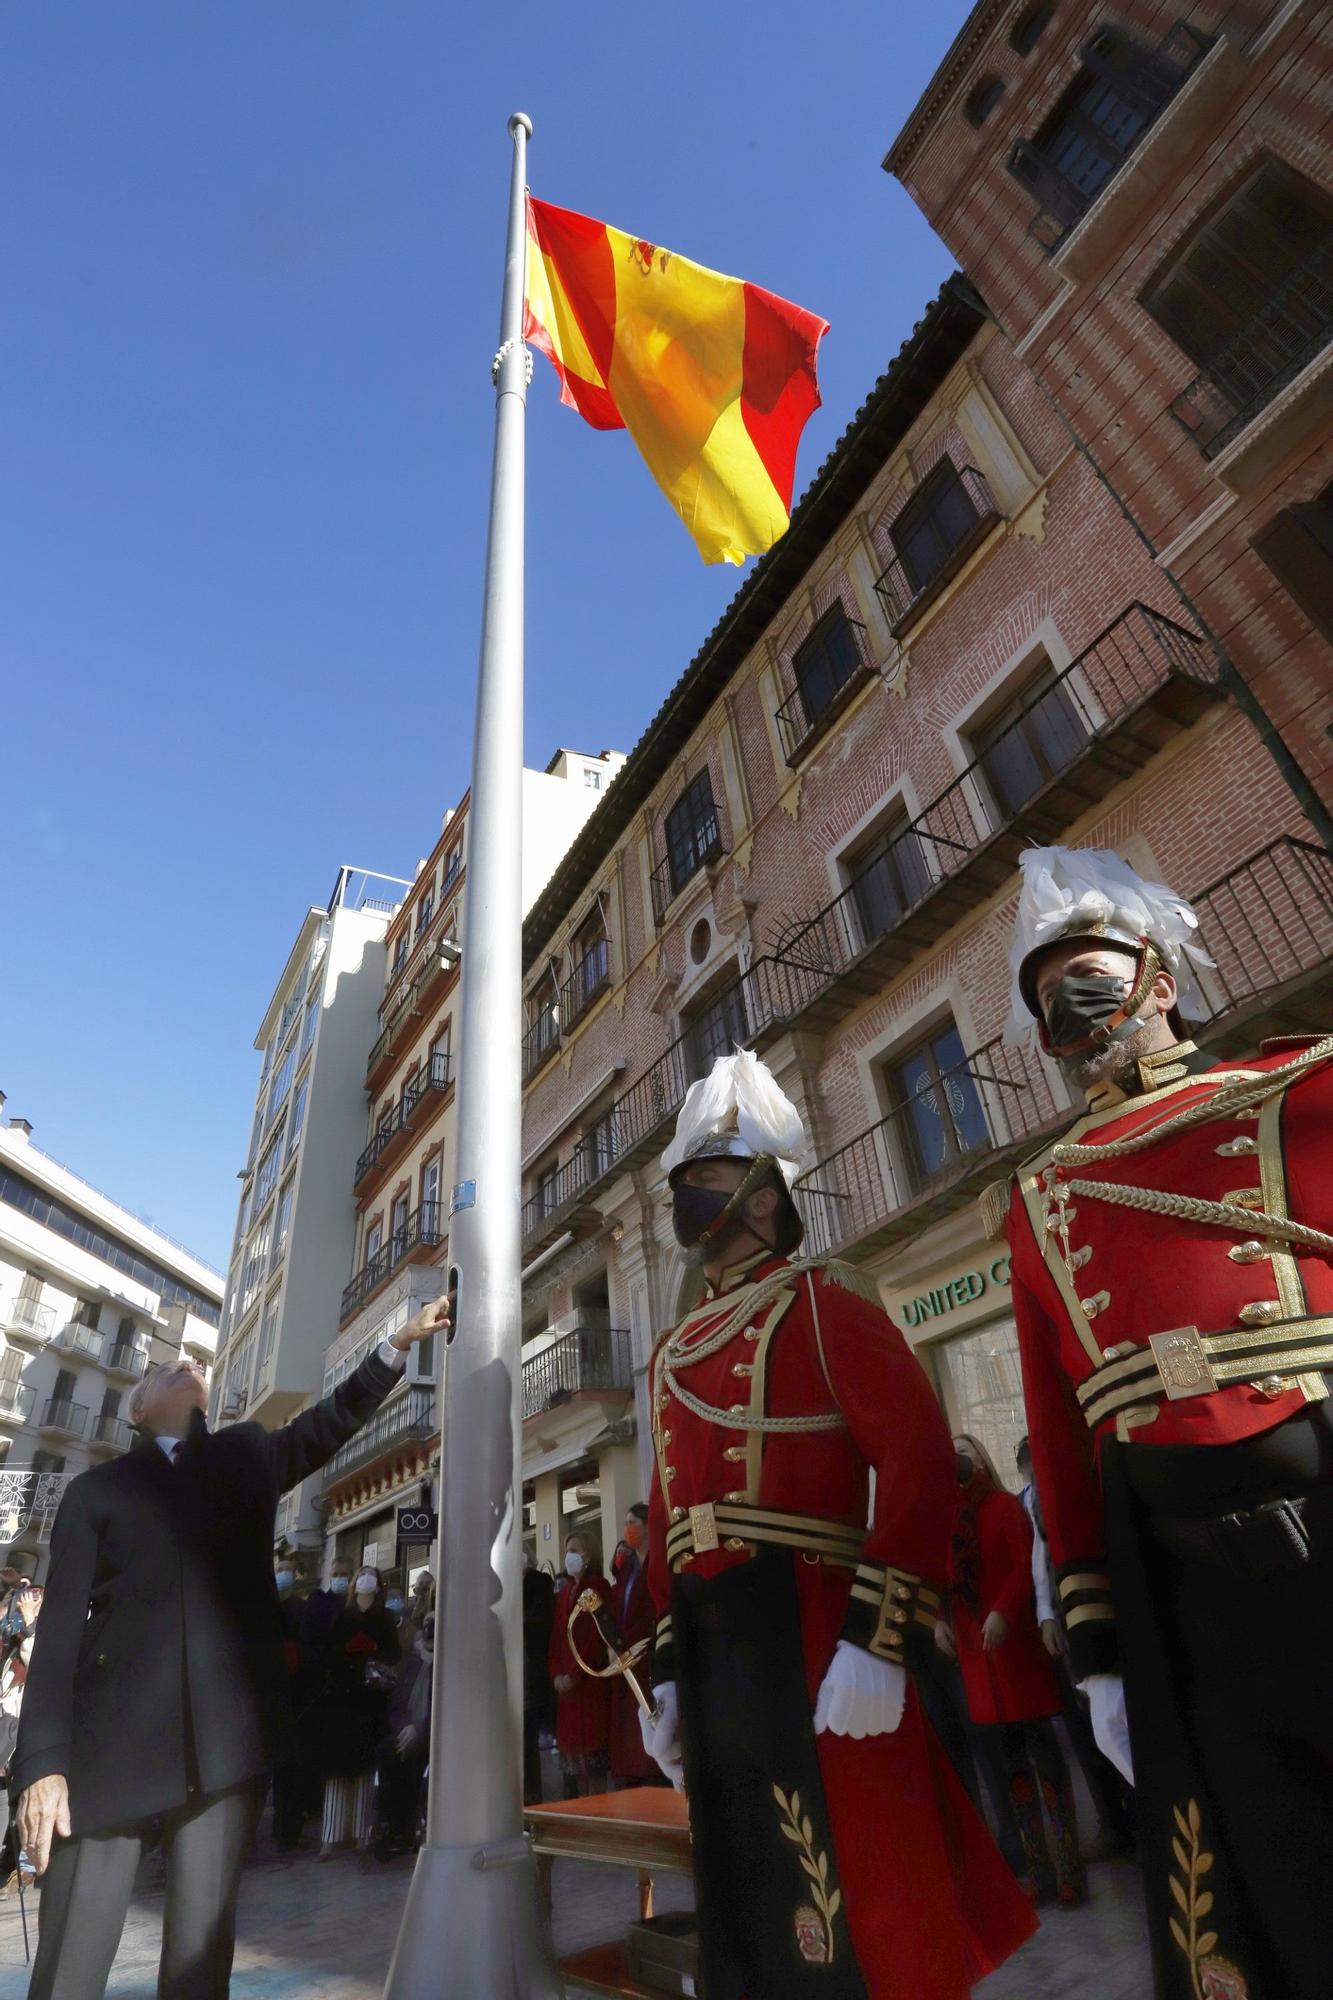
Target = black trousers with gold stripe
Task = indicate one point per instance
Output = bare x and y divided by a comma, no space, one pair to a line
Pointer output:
1228,1671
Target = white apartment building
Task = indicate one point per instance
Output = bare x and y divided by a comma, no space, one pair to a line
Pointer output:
295,1216
91,1298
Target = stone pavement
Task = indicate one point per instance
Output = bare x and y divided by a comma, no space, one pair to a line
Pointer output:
312,1931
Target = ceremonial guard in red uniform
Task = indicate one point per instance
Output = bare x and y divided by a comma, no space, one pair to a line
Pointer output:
835,1851
1173,1289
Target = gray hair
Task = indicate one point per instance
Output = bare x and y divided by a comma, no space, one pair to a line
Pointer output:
139,1395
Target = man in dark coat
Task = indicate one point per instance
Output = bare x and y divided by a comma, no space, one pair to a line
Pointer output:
158,1681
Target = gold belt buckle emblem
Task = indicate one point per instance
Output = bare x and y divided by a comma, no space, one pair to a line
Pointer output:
1182,1363
703,1528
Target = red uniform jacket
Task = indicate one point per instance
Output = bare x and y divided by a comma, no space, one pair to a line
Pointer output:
582,1717
1016,1682
931,1906
1093,1282
632,1603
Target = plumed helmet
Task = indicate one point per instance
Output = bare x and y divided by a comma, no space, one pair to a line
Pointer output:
1089,893
737,1112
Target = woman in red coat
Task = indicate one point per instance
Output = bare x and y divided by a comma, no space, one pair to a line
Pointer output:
583,1703
1007,1674
632,1604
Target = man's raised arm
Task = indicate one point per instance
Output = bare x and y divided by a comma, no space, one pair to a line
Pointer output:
310,1440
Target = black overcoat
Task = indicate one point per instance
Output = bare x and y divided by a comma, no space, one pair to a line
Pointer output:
157,1671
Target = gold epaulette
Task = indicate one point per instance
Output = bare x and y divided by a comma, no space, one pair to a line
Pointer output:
851,1278
993,1207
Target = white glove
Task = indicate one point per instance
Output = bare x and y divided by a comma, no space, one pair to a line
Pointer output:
661,1734
406,1737
1110,1728
861,1696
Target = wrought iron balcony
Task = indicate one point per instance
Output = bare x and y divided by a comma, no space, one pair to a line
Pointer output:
931,1150
671,877
66,1418
16,1400
433,970
127,1360
1095,722
906,587
1290,330
591,976
28,1502
542,1040
1267,924
111,1433
1098,125
407,1416
402,1121
421,1231
593,1356
816,702
27,1321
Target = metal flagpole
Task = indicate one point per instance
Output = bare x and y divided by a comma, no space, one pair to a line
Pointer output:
473,1925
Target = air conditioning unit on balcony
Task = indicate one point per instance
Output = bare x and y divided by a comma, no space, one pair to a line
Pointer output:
234,1406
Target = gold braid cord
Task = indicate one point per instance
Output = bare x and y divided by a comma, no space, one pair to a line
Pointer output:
1242,1095
677,1353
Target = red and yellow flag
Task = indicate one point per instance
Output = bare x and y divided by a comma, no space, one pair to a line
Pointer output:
714,379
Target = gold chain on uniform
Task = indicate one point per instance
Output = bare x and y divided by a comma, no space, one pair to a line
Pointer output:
1243,1094
674,1353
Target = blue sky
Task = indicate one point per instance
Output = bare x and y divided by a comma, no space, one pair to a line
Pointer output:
251,254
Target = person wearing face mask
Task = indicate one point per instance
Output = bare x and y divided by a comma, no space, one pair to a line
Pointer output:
1009,1681
632,1608
400,1761
359,1657
1172,1277
158,1687
836,1851
583,1703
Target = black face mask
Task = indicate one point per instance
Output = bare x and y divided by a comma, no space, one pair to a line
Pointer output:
692,1210
1081,1003
962,1466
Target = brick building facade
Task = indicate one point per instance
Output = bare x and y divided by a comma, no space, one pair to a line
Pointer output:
964,644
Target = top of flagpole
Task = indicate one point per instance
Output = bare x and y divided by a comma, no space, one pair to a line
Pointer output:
517,120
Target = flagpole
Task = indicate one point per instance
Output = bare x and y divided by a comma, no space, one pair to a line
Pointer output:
473,1923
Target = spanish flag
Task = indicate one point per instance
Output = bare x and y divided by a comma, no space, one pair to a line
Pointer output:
713,378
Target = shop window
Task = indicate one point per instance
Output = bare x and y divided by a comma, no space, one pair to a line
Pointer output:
980,1382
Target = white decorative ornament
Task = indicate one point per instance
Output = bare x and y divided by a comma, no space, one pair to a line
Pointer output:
740,1096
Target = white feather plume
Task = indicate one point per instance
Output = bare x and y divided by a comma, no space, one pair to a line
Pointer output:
741,1095
1068,888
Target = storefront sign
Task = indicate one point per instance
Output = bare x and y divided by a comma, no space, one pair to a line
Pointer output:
956,1292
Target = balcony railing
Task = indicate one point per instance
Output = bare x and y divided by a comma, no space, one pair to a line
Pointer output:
1267,924
60,1414
112,1433
1081,149
409,1415
668,883
542,1040
906,589
420,1231
27,1320
430,963
929,1150
437,1076
77,1337
591,1357
1291,329
16,1399
916,887
123,1359
591,976
28,1501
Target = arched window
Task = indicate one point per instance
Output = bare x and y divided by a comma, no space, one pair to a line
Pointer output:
983,100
